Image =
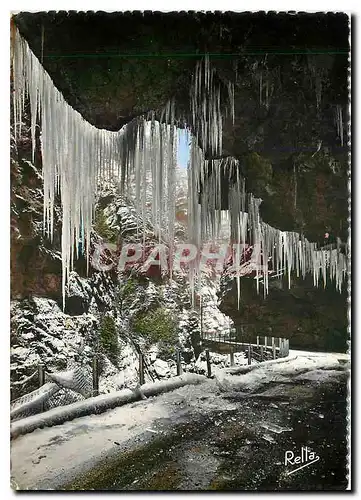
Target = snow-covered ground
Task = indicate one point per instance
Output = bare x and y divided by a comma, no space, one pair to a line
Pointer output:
52,457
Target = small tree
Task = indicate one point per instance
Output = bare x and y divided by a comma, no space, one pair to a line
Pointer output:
108,339
158,326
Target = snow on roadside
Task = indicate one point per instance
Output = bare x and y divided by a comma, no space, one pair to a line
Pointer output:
100,403
318,366
64,451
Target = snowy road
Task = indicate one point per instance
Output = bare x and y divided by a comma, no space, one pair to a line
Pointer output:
230,432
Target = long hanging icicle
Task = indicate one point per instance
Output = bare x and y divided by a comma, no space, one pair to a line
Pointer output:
339,122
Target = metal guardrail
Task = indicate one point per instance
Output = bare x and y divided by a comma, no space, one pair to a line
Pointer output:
55,389
63,388
264,348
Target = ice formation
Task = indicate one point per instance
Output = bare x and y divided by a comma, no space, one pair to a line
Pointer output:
77,155
339,122
207,104
287,251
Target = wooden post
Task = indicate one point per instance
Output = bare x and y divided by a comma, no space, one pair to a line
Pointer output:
249,354
265,341
41,374
274,351
141,369
232,358
209,369
288,346
95,369
257,340
273,341
261,352
179,362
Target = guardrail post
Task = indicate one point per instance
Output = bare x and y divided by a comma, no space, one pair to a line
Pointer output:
257,340
265,341
288,346
274,351
95,370
232,358
209,369
41,374
179,362
249,354
261,352
141,369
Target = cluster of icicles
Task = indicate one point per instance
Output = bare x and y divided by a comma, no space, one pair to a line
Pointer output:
207,103
77,155
284,252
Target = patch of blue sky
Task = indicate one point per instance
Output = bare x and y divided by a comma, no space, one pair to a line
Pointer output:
183,147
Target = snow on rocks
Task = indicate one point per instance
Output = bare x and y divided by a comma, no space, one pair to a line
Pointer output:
126,375
161,368
42,333
78,295
314,367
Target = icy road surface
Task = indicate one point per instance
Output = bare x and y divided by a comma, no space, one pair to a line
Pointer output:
229,433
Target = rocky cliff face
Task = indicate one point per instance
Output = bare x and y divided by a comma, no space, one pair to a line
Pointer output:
312,318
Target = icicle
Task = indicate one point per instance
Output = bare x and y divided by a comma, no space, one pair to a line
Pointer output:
260,89
339,122
206,106
318,91
267,103
295,186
